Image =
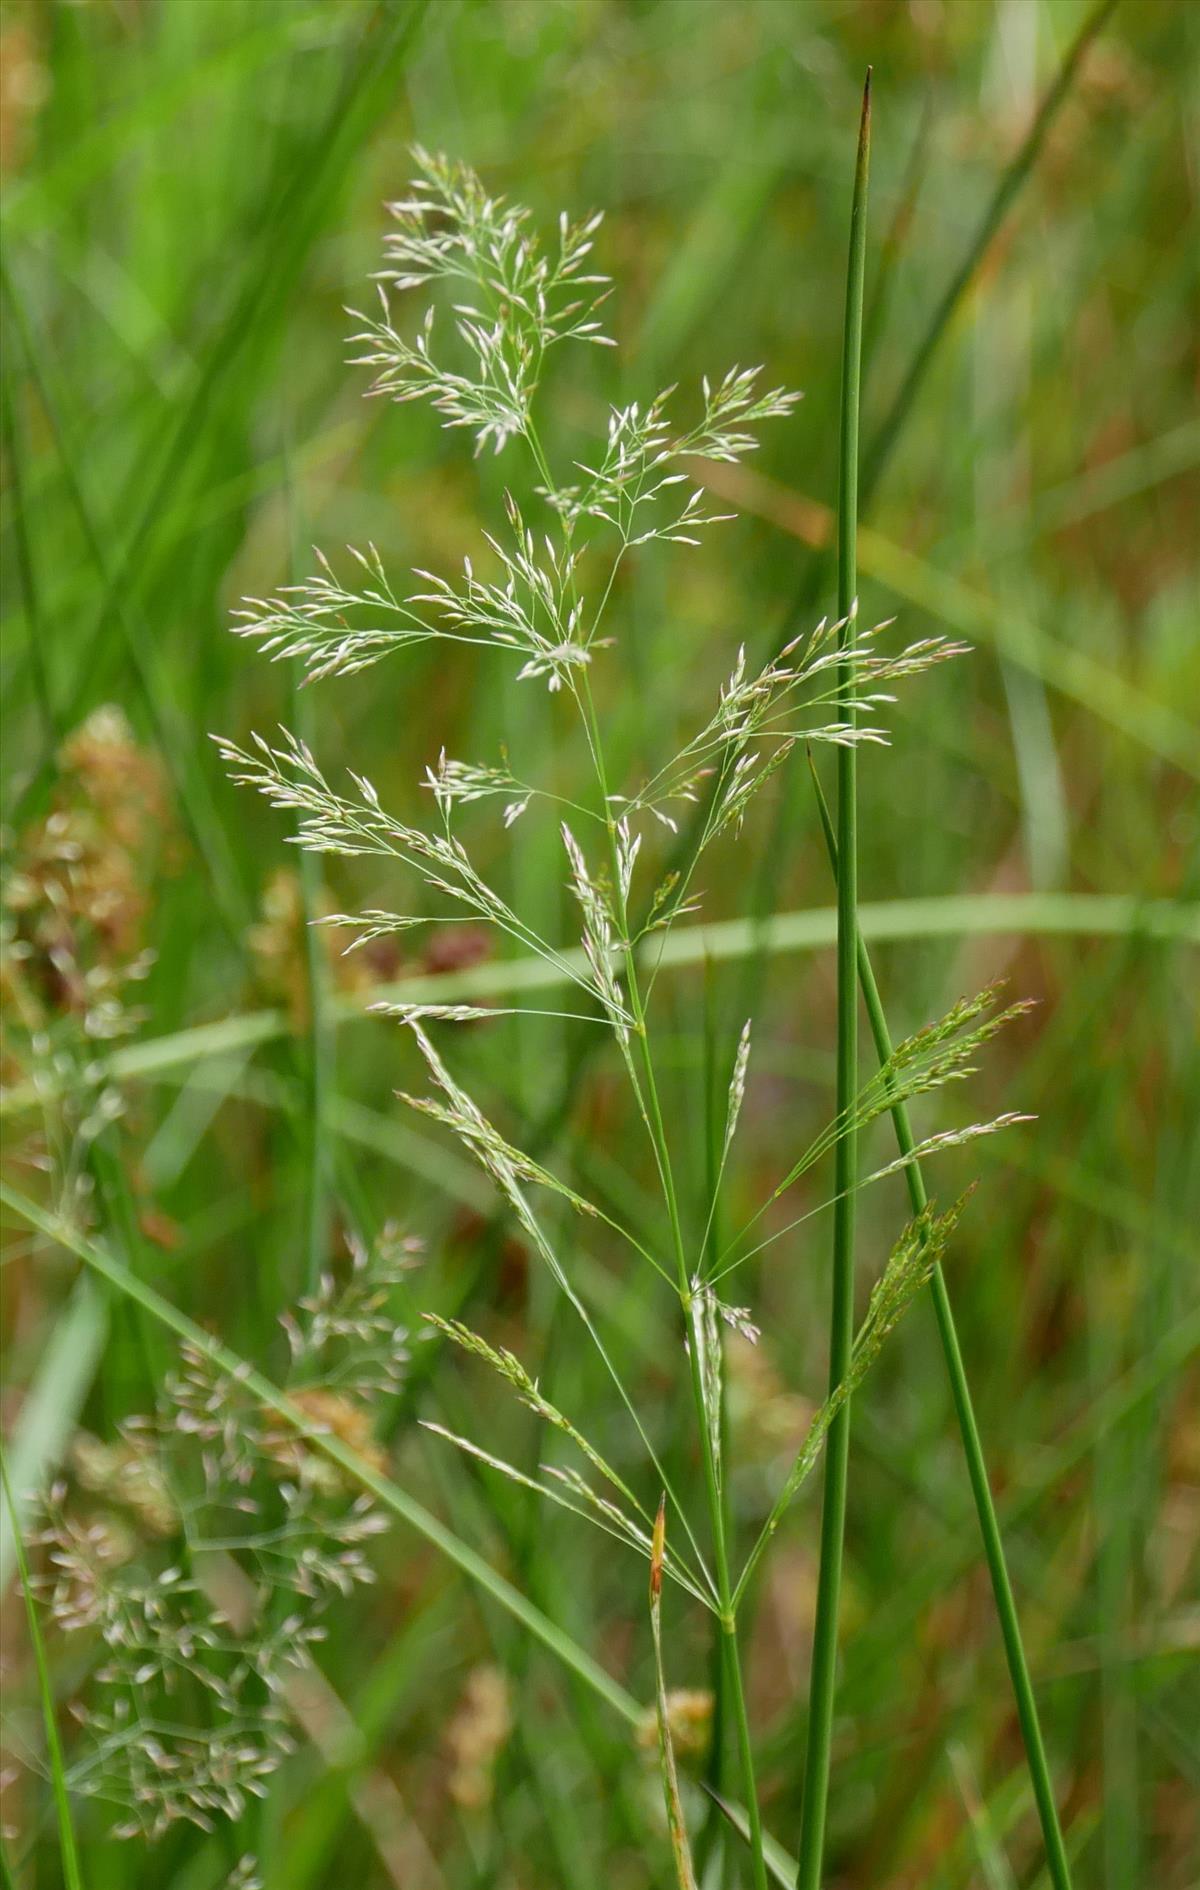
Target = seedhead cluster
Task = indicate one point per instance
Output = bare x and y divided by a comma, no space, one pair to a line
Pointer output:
201,1552
73,941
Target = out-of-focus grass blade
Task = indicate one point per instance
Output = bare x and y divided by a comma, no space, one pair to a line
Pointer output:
1007,190
321,1028
28,201
52,1405
173,739
704,257
311,1829
201,1095
257,311
997,1872
387,1493
1073,673
1072,502
34,629
893,921
210,1084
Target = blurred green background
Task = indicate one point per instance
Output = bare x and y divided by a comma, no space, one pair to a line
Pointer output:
193,192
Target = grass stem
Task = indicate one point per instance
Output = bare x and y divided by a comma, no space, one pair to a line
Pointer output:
648,1098
841,1333
989,1525
712,1484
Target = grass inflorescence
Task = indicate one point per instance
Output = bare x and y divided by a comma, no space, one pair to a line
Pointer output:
545,610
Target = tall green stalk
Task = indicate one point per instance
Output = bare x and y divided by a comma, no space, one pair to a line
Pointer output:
841,1328
989,1525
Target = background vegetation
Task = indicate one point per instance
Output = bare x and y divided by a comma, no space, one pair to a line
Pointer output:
192,192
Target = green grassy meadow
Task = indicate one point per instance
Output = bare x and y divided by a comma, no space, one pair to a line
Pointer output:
200,1115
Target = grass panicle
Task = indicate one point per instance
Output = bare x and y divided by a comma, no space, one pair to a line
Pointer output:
535,609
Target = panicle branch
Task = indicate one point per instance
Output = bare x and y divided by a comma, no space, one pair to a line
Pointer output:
910,1267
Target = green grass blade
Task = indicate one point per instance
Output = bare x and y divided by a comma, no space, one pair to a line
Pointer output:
171,737
320,1032
893,921
1016,637
781,1867
62,1804
841,1331
34,624
711,1862
992,220
981,1490
50,1408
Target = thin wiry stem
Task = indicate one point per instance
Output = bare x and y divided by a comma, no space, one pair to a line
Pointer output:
711,1845
711,1479
989,1525
841,1336
991,222
321,1046
497,1159
652,1110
